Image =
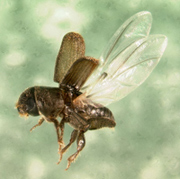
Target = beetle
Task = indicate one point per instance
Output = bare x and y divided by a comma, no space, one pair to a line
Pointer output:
87,85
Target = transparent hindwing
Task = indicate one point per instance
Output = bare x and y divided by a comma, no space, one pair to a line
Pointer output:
127,61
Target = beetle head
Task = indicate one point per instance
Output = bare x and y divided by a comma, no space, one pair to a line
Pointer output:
26,104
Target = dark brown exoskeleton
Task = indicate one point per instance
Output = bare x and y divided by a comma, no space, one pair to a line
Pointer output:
128,60
67,101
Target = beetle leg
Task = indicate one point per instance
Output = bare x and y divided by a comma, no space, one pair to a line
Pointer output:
80,146
41,120
72,139
57,125
61,125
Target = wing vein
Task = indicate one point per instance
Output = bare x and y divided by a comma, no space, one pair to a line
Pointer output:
135,65
117,41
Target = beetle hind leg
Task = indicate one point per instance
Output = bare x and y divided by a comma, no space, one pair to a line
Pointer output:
72,139
80,146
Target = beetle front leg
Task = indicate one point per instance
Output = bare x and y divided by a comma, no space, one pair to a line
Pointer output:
80,146
38,124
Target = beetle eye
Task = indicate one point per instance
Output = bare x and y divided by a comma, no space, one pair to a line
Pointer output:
32,107
30,104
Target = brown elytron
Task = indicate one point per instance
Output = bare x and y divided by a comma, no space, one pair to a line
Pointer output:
128,60
71,71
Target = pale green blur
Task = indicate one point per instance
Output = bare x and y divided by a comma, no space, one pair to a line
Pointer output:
146,141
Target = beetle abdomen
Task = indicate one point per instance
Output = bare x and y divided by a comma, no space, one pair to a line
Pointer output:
91,111
98,112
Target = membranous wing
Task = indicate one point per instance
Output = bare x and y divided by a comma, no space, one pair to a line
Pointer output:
72,48
127,62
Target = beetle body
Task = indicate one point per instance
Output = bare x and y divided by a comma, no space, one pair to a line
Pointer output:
52,103
81,114
80,101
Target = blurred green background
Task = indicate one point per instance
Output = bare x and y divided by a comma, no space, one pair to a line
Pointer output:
146,141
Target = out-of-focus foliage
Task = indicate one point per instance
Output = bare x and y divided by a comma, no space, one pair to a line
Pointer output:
145,143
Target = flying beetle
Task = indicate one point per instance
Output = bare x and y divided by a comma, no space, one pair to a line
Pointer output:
87,85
